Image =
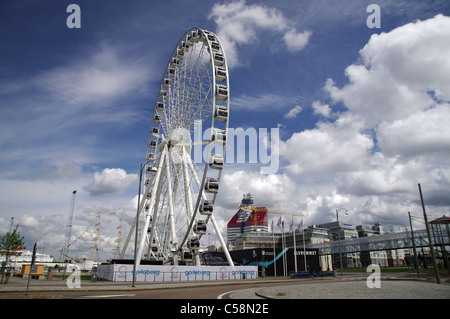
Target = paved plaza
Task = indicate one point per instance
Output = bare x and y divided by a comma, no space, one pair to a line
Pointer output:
390,289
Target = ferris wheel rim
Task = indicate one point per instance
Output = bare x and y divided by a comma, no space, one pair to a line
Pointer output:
205,35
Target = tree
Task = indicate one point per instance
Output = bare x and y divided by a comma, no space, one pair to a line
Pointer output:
11,244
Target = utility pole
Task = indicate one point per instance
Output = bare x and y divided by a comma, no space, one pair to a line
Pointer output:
433,257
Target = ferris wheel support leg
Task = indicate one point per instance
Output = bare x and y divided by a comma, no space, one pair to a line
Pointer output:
222,242
127,241
133,225
173,236
197,260
213,220
154,233
147,218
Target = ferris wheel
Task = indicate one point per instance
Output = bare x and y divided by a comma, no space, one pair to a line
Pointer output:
179,193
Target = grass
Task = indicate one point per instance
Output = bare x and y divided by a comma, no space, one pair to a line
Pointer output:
82,277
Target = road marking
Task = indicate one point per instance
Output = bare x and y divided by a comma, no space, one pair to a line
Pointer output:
225,293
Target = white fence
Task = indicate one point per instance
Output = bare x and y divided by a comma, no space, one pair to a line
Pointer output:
151,273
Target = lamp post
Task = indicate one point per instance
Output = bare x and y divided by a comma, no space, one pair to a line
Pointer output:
339,237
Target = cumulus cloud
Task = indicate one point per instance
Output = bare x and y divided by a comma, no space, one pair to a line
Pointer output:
329,148
321,109
403,72
238,23
401,93
110,181
420,133
393,134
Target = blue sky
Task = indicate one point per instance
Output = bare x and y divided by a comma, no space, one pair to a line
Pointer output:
361,111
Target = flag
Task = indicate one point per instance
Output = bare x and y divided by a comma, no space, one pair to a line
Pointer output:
291,227
279,222
300,226
272,226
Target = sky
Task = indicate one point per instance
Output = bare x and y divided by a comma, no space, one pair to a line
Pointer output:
362,112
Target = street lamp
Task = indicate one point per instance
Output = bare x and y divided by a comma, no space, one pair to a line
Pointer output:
339,236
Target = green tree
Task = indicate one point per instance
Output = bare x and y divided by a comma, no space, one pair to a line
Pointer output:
10,244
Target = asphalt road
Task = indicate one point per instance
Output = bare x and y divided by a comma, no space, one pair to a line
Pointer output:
206,292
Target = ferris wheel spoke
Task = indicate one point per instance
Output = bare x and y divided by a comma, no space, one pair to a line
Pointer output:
173,236
152,207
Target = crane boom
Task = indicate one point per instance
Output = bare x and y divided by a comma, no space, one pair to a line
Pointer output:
69,224
272,211
280,212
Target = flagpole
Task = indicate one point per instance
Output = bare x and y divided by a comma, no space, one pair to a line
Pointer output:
295,245
284,255
274,254
304,247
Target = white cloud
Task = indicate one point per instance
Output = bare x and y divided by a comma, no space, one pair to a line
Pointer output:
321,109
400,70
260,103
296,41
329,148
238,23
293,112
400,94
420,133
110,181
103,74
393,135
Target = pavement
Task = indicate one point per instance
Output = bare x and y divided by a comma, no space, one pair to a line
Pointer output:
351,286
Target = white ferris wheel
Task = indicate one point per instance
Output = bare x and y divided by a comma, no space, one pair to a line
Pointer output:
177,207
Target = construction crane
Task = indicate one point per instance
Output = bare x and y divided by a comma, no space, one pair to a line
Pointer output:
70,257
69,224
270,211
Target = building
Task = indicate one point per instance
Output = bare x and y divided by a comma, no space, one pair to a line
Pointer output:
381,257
248,218
367,231
248,229
257,239
341,231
